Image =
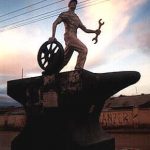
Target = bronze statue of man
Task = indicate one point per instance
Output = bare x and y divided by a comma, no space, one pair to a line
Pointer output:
72,23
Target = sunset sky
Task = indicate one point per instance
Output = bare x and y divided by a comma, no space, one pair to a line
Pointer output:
124,44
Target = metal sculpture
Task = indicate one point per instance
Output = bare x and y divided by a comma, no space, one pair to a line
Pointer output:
50,56
63,110
97,34
72,23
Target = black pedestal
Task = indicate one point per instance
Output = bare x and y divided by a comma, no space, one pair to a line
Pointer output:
63,110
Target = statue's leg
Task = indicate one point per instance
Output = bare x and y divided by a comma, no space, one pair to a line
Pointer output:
81,59
67,55
73,43
82,50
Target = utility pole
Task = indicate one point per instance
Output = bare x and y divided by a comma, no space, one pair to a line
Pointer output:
22,73
136,90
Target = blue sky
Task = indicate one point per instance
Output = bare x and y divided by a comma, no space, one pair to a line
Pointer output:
123,44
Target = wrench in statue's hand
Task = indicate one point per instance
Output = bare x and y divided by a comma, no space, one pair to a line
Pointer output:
98,31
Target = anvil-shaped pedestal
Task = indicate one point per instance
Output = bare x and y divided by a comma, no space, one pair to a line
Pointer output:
63,110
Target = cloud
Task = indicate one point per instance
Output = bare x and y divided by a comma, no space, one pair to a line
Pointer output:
3,82
5,98
142,36
116,15
3,89
18,50
19,47
7,101
136,36
142,86
114,38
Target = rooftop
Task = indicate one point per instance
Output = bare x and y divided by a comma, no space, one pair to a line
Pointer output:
123,101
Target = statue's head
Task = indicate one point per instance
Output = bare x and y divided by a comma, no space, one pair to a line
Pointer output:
72,4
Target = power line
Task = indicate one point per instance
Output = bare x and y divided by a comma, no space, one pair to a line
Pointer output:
38,9
85,1
48,16
31,11
32,17
40,15
32,21
23,8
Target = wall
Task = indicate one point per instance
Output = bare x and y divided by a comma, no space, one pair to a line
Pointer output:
133,118
8,121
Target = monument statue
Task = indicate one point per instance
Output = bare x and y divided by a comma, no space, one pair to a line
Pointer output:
72,23
63,109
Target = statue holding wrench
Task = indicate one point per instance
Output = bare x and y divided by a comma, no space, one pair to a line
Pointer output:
96,37
72,43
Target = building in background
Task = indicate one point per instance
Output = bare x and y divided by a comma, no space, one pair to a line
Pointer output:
125,117
127,112
123,112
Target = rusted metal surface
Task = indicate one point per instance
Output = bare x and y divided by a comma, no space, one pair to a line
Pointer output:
50,56
29,90
97,34
67,105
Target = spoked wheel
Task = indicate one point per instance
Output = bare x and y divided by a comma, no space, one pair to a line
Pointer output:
50,56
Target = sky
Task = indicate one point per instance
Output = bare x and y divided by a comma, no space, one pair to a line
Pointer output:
124,43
